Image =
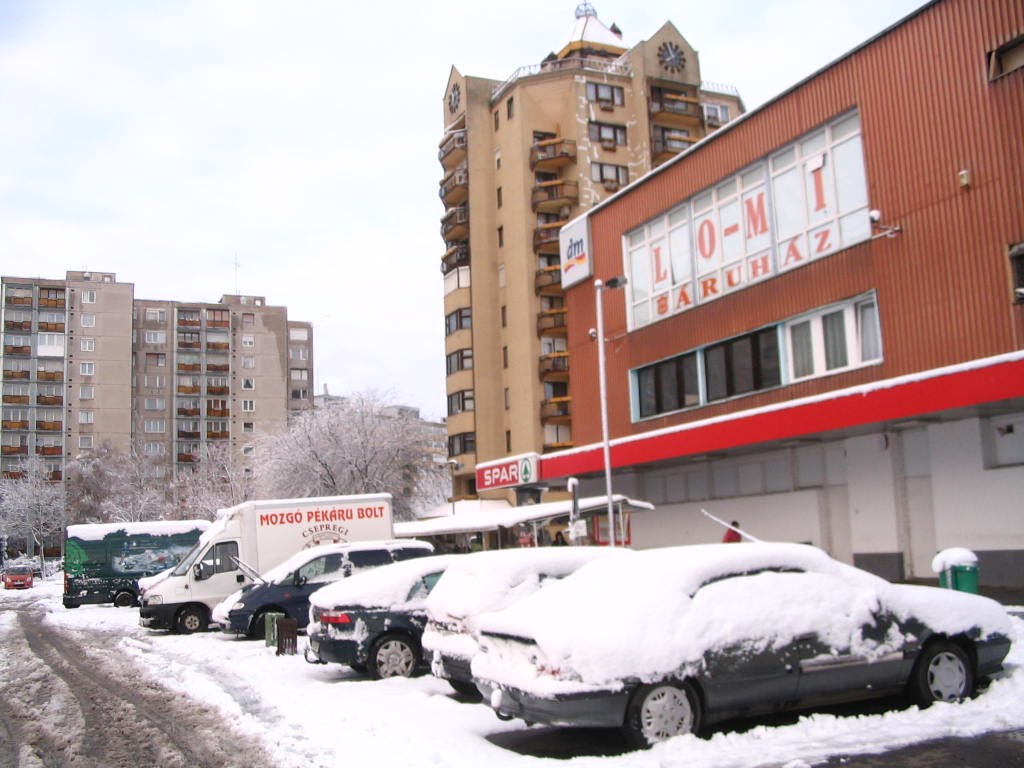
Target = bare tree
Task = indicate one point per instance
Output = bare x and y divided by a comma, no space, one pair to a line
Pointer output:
356,446
215,482
33,505
110,486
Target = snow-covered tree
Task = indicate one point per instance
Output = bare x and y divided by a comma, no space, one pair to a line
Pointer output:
356,446
32,505
213,483
111,486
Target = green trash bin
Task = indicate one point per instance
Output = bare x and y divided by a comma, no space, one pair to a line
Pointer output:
270,627
963,578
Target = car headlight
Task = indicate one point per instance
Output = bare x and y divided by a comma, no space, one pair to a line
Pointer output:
238,606
154,600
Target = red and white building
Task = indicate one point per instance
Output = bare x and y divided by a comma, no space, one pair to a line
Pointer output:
822,330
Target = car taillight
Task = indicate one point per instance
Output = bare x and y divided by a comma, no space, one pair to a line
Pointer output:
335,617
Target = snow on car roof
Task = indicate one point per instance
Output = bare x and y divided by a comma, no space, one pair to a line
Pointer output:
488,581
300,558
96,531
380,587
660,624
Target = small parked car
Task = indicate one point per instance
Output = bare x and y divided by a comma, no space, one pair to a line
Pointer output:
18,577
488,581
286,588
680,638
373,621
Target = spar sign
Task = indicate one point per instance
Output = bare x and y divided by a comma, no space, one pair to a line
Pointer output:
516,470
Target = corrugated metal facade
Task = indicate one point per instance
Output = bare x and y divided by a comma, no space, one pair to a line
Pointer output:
928,111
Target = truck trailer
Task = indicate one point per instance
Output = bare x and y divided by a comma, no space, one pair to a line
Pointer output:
251,538
103,561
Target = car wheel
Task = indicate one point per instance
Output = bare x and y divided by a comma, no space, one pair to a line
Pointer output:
190,619
466,689
393,656
124,600
258,626
660,711
943,672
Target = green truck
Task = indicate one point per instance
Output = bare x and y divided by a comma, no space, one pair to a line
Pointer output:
103,561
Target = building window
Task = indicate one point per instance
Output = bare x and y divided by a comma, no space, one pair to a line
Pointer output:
509,108
248,341
88,320
88,344
504,357
298,334
1006,59
248,406
89,296
459,402
248,361
606,95
156,315
497,159
248,383
86,417
298,353
501,237
834,339
608,135
158,359
298,374
85,441
459,360
458,320
155,403
87,392
87,368
464,442
716,114
300,394
156,337
248,450
504,316
668,386
154,381
496,123
219,318
154,449
1017,266
154,426
508,398
508,441
248,426
248,320
745,364
612,176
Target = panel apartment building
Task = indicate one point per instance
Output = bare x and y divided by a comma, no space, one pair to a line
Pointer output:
520,158
86,364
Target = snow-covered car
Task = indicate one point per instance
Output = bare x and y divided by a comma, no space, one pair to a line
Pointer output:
482,582
286,587
18,577
680,638
372,622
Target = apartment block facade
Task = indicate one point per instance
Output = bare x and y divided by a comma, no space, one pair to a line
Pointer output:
520,158
85,364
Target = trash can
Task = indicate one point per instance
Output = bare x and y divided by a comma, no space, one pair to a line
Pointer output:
957,569
287,636
270,627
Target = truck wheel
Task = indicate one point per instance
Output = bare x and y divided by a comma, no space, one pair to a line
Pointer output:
191,619
124,600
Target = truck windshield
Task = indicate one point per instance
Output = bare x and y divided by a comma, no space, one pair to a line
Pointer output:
188,560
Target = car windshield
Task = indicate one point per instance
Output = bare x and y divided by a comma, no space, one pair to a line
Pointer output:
20,570
188,559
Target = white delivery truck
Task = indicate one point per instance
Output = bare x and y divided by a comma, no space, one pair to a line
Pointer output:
250,538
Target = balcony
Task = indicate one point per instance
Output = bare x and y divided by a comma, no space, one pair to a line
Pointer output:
51,327
17,349
554,366
189,367
187,389
16,400
216,390
548,281
54,475
15,450
56,303
455,257
558,446
667,144
187,458
49,426
454,187
452,152
545,237
675,109
188,434
49,399
455,224
187,412
49,450
552,322
218,435
217,346
218,323
17,325
552,196
217,367
189,321
18,301
189,344
14,423
49,375
217,413
10,375
552,154
13,475
557,410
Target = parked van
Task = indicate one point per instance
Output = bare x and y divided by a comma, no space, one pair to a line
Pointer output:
286,588
251,538
103,561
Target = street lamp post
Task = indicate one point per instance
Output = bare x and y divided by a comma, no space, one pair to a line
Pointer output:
599,288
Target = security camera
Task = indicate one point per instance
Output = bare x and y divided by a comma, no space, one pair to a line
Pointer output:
875,215
593,334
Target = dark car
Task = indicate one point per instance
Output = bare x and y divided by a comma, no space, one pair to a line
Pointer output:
373,622
672,640
18,577
286,588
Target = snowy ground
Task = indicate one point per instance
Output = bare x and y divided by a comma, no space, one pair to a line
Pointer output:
309,716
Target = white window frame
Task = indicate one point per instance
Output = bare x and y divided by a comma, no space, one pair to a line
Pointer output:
156,337
248,341
855,358
248,406
87,392
87,368
154,426
249,383
88,320
86,417
88,344
85,441
89,296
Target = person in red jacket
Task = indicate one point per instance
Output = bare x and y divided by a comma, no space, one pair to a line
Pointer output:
731,535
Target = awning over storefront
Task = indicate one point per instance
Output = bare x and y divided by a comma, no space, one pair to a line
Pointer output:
473,521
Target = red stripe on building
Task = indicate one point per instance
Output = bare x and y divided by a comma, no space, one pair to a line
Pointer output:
884,402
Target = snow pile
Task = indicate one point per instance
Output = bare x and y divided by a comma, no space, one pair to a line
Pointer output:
954,556
97,531
381,587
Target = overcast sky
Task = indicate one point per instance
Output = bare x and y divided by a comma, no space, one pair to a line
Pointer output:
170,141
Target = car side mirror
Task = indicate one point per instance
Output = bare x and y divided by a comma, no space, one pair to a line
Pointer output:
201,571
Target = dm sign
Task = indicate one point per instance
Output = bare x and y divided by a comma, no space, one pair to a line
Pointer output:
518,470
574,247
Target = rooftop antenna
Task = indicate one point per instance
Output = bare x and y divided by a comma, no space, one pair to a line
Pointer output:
237,265
585,9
